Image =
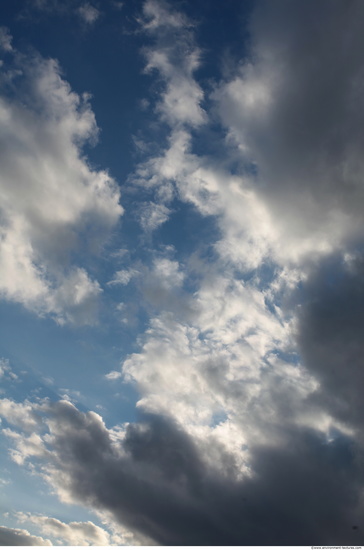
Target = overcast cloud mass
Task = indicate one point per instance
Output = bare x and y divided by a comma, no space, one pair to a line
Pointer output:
181,272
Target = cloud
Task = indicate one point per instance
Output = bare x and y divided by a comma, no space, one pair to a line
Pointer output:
23,415
6,371
5,39
175,56
329,332
293,110
155,481
250,405
74,533
113,375
123,276
153,215
88,13
52,202
20,537
85,11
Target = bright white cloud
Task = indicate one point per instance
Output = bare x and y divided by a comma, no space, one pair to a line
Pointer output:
22,415
176,58
52,202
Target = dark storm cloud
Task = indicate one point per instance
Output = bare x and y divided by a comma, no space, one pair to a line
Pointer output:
330,335
305,491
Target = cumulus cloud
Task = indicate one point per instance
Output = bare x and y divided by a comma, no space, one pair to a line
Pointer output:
155,481
52,201
20,537
74,533
294,110
241,440
227,371
20,414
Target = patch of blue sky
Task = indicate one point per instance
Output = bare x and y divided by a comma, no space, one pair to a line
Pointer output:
29,493
220,29
188,231
69,359
287,356
217,418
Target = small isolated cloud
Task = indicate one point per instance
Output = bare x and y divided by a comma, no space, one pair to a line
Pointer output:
153,215
117,5
113,375
5,40
6,371
88,13
123,276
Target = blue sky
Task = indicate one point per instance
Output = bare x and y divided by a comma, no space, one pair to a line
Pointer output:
181,262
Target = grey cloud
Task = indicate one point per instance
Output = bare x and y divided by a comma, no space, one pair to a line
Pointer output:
303,491
297,108
20,537
330,335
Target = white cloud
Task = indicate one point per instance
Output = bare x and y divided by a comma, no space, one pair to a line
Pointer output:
222,362
23,415
176,58
52,202
88,13
26,446
159,15
74,533
6,371
5,39
124,276
152,215
76,299
113,375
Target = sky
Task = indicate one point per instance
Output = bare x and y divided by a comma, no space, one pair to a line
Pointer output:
181,272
